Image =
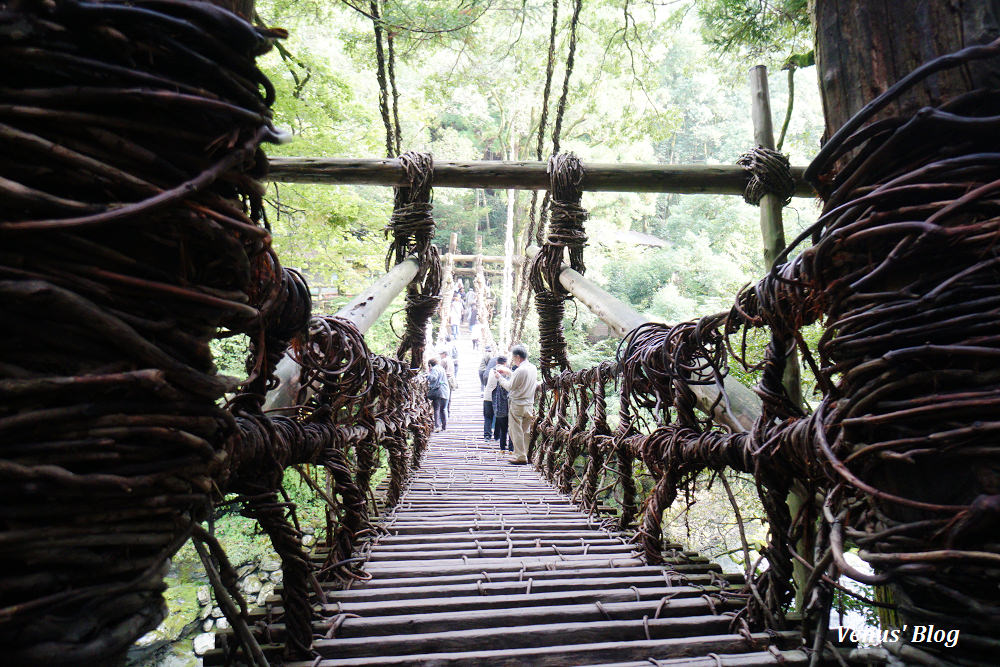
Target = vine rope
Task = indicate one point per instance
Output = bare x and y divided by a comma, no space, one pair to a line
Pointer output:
900,449
565,232
130,237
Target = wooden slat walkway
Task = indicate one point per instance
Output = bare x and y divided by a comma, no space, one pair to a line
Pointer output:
486,564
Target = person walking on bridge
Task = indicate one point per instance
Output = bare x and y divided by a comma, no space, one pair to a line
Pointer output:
439,392
520,386
495,409
486,365
456,311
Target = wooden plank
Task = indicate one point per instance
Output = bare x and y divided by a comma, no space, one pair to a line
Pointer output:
392,608
386,546
528,565
498,618
787,658
506,588
621,573
463,527
378,555
525,636
524,175
580,654
544,536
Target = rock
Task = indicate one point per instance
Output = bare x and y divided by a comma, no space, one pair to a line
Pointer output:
266,591
181,620
222,624
277,576
206,611
149,638
204,643
217,612
264,576
251,586
308,540
270,565
308,530
204,595
207,625
244,570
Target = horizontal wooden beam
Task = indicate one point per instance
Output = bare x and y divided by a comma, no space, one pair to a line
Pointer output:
497,174
487,259
469,271
743,405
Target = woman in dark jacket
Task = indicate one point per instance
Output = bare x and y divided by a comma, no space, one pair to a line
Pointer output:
500,410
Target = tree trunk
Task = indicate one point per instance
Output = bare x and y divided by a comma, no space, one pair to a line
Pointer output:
863,47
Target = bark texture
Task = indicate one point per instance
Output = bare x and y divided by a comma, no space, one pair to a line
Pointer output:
865,46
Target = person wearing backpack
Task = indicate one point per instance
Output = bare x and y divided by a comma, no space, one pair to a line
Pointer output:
438,392
448,366
497,409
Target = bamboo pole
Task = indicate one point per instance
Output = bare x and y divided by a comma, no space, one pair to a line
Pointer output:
773,234
362,310
529,175
743,406
771,226
482,307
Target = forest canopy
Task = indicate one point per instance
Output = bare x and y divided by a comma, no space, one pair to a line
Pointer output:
651,83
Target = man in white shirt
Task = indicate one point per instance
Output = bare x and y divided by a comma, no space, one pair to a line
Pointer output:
520,386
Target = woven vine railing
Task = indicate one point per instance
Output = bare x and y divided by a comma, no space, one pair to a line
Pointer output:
900,454
132,232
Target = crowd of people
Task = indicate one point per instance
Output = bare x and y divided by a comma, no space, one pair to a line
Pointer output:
464,309
507,381
508,400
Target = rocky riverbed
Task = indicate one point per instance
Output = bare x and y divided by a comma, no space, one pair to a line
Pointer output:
188,631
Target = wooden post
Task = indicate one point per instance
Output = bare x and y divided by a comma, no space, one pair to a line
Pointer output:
743,407
362,310
482,305
508,270
773,234
447,288
771,226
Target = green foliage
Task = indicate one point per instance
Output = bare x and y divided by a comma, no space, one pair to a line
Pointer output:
753,28
842,603
230,355
242,539
679,282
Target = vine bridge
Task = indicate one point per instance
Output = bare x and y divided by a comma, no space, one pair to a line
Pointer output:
482,562
133,232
